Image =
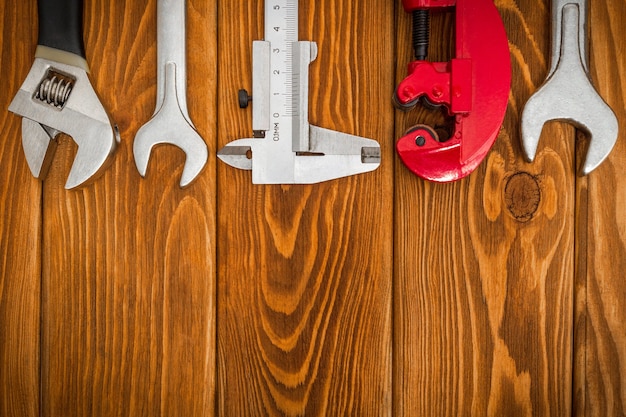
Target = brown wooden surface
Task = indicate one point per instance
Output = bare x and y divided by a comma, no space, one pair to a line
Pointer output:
128,323
381,294
484,282
305,271
600,344
20,230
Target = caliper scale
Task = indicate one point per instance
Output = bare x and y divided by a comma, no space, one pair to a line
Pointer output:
286,149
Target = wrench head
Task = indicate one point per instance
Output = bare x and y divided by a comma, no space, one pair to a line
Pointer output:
159,131
170,125
583,108
57,98
568,95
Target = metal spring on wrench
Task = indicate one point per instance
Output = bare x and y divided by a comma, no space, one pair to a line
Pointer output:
55,89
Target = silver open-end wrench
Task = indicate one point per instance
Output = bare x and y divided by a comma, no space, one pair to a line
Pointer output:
57,97
171,123
567,94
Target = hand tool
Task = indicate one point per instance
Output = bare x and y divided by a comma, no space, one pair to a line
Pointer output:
57,97
170,123
473,88
567,94
286,149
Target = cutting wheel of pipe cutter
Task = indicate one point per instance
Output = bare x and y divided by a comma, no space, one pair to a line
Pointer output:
473,89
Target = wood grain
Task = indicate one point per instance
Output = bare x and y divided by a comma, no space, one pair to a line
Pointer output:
600,343
305,271
380,294
129,264
484,266
20,228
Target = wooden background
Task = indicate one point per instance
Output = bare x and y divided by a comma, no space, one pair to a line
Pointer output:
377,295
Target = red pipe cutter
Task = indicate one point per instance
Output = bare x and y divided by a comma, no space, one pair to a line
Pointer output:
473,88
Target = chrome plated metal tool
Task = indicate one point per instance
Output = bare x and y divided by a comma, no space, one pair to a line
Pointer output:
57,97
171,123
567,94
286,149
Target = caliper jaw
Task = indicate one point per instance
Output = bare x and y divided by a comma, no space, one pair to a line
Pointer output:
313,154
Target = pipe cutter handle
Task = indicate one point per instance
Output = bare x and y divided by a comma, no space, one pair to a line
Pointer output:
473,87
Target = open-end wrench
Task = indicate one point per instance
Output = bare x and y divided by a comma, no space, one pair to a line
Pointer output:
567,94
171,123
57,97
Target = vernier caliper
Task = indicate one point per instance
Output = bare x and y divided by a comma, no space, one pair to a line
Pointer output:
286,149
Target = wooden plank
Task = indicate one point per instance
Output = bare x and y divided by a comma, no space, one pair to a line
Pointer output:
304,272
20,227
484,267
129,264
600,343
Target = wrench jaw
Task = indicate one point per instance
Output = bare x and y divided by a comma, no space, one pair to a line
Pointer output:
601,142
590,114
568,95
42,143
170,125
76,112
96,146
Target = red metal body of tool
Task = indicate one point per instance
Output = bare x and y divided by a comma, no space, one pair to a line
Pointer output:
473,87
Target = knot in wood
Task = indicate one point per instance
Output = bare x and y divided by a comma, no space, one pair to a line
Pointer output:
522,195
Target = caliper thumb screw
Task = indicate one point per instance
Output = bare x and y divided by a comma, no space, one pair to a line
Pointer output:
244,98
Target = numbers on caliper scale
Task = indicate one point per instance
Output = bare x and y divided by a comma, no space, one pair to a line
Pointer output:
281,31
285,148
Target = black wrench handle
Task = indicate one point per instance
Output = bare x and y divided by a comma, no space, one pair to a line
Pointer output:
61,25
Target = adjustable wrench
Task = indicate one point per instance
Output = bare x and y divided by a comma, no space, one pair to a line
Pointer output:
57,97
567,94
171,123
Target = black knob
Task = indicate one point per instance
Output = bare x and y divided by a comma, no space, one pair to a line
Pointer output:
244,98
